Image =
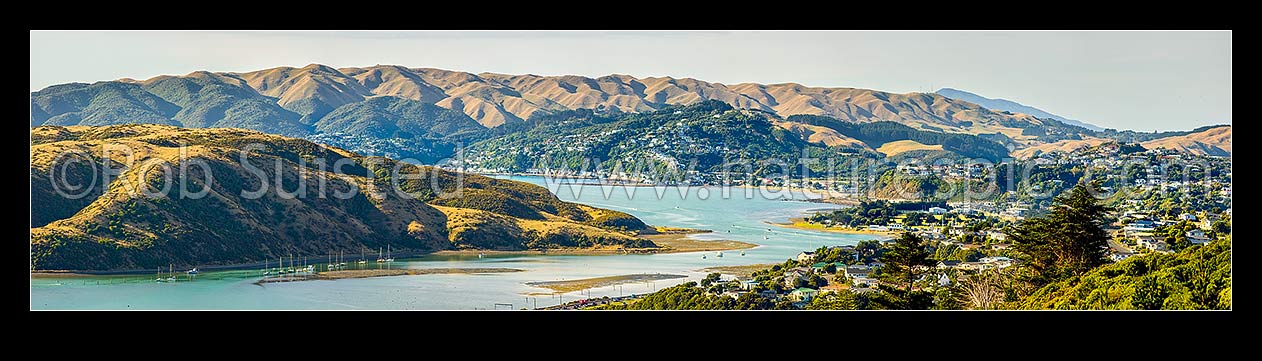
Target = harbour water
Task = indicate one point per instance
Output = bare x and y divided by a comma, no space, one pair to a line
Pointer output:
738,216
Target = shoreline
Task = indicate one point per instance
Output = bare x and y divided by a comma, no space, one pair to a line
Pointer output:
667,244
802,224
668,239
370,273
226,267
826,196
742,272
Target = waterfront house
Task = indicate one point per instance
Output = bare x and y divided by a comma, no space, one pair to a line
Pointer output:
748,284
805,256
937,210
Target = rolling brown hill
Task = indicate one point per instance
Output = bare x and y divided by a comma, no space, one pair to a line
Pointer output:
492,99
1066,146
1213,141
115,226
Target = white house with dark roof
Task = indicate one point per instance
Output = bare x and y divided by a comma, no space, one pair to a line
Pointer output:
806,256
1197,236
858,271
1152,243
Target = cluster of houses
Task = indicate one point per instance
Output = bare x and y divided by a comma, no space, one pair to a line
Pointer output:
985,263
858,274
394,148
945,171
1140,227
1151,164
947,225
861,277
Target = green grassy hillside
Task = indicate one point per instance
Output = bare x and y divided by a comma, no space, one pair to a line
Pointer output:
1198,277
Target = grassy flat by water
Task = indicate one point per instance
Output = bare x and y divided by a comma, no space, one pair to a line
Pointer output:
800,223
742,272
582,284
670,240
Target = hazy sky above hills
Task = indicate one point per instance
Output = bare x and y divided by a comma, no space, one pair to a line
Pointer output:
1125,80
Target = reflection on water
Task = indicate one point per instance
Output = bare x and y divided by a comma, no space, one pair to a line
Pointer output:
737,218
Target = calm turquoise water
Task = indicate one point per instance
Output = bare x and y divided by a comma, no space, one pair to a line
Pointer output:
736,217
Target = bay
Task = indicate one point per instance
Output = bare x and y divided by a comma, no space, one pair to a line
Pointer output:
739,214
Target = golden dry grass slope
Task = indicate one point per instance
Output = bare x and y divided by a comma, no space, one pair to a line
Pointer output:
119,226
897,147
1065,146
1214,141
495,99
821,135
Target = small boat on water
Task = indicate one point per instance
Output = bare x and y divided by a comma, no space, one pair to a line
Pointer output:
719,255
193,271
742,253
480,255
703,256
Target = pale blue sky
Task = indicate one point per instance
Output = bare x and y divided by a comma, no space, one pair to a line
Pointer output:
1127,80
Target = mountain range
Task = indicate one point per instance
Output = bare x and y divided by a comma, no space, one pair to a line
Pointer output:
1010,106
426,114
292,101
116,226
